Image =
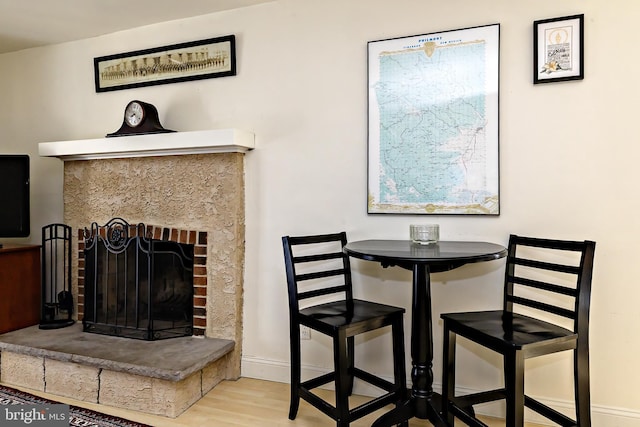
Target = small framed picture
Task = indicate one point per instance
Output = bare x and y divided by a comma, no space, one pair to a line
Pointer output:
558,49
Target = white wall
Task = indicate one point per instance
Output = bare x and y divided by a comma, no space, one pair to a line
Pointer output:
568,155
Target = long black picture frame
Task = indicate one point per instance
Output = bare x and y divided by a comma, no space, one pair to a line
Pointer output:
196,60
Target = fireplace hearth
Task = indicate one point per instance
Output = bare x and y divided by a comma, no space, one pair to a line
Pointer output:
136,286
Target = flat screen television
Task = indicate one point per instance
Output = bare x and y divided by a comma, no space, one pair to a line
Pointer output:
14,196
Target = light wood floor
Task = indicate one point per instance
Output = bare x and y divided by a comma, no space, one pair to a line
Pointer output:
244,403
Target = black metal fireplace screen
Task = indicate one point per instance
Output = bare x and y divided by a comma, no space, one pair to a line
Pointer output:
136,286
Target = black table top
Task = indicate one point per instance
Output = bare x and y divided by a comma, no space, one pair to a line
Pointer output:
444,253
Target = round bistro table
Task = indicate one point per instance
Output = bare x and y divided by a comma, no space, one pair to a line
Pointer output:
422,260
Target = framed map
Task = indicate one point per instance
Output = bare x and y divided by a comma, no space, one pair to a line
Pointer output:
433,123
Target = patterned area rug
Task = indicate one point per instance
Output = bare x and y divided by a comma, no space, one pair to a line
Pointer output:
77,416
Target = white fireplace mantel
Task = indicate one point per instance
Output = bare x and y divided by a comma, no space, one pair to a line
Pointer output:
159,144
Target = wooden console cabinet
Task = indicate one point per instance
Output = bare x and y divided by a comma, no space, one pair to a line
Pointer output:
19,287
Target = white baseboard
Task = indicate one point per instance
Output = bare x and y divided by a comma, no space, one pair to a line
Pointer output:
602,416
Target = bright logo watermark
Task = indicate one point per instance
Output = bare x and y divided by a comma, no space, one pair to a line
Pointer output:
34,415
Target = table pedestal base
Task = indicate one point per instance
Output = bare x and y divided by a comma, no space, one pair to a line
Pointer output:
426,409
424,403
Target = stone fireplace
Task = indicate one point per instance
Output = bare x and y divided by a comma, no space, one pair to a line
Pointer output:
187,187
186,184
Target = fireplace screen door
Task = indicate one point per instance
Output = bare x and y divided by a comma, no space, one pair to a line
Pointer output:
136,286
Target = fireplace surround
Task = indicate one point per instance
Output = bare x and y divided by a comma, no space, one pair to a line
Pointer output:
193,184
184,182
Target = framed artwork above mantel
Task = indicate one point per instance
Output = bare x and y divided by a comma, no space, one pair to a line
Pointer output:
202,59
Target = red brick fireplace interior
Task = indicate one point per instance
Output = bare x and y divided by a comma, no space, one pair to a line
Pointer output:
192,237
